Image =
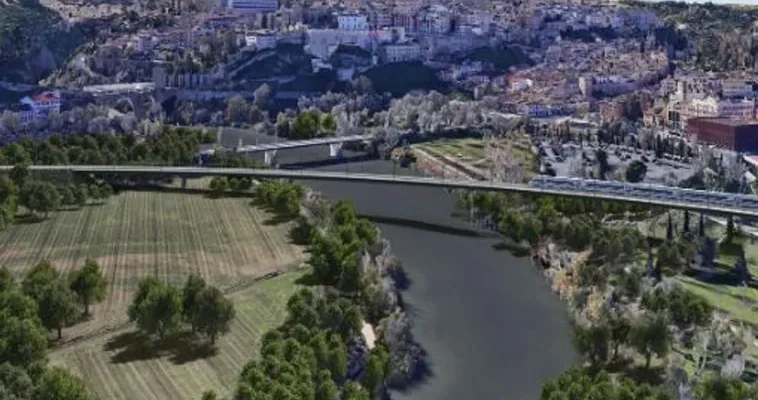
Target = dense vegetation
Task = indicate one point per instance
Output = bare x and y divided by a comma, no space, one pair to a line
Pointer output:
319,352
622,312
162,309
44,301
33,41
720,37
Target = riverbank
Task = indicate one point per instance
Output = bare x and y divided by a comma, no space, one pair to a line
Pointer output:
487,319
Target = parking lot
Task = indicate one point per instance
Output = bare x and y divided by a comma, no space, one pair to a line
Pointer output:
566,160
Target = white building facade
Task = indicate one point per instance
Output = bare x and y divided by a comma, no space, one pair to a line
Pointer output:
253,6
352,22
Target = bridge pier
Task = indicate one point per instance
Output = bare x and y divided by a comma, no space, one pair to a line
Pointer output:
269,157
335,150
184,183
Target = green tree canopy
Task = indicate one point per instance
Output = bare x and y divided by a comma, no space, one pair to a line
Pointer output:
157,308
59,384
214,313
57,306
190,303
89,284
42,275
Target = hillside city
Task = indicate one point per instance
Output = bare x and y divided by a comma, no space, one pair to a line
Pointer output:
242,200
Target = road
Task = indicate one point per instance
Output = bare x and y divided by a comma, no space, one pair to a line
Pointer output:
196,172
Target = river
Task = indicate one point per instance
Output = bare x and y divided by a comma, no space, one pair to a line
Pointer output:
488,321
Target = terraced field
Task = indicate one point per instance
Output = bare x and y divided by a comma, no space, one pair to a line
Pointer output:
118,367
140,234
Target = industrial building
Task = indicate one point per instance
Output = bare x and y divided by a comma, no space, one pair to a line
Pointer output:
736,135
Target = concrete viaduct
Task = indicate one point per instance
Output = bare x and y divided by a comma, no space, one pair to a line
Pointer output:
196,172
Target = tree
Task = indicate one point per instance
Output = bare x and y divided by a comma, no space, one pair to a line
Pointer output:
23,343
237,109
336,359
58,384
636,171
353,391
89,284
619,328
730,229
42,275
592,342
376,369
7,283
67,196
219,185
740,267
262,96
190,297
686,224
15,381
579,383
19,174
82,195
39,197
209,395
650,335
57,307
214,313
714,387
157,308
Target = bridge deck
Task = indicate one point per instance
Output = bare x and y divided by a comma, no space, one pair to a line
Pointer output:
388,179
301,143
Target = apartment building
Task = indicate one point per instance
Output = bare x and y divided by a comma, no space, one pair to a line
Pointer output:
731,88
401,52
352,22
253,6
713,107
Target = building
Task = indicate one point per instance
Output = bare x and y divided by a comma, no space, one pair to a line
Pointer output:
401,52
731,88
253,6
44,103
261,40
740,136
352,22
712,107
435,19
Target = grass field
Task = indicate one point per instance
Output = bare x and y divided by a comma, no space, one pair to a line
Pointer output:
117,367
473,149
165,235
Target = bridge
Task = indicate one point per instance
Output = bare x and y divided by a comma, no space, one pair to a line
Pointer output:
196,172
270,150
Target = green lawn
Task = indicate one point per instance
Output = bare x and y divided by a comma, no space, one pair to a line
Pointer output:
164,235
115,366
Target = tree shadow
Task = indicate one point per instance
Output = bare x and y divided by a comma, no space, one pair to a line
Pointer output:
719,274
426,226
277,219
652,376
28,219
308,280
515,249
135,346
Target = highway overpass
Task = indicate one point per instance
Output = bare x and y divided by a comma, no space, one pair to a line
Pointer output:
270,150
196,172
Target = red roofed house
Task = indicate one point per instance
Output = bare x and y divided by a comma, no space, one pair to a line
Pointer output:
44,103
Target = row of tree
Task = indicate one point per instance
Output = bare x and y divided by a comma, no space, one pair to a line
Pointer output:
163,309
222,184
24,373
60,301
173,146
